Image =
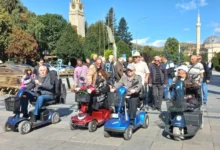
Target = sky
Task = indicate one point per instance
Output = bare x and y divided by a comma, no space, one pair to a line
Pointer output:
151,22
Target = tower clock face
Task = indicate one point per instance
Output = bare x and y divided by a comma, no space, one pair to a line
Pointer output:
73,6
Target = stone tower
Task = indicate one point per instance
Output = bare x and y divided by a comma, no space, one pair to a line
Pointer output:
198,25
76,16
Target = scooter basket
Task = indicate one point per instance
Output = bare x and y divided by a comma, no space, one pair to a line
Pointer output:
85,98
12,103
114,99
176,106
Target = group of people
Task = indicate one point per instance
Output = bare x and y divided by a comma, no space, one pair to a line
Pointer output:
154,80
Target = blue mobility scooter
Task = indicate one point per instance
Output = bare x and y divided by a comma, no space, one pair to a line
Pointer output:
120,122
25,125
185,116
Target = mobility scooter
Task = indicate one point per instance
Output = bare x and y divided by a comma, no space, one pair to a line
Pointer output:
185,116
25,125
119,122
95,116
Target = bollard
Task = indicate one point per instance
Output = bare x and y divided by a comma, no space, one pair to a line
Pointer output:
68,83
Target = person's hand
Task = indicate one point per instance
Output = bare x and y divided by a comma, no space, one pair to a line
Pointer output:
207,81
112,90
37,82
146,81
150,85
132,91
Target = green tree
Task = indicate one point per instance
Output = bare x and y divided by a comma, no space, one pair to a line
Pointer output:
123,48
149,53
96,40
69,45
171,49
5,30
122,32
9,5
107,53
21,45
52,26
110,19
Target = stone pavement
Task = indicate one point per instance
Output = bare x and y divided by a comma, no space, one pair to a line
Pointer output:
59,137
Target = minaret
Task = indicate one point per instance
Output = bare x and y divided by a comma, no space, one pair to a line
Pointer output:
76,16
198,25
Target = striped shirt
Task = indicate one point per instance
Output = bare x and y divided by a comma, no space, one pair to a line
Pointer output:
196,70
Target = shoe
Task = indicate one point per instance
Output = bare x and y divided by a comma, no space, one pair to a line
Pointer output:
34,118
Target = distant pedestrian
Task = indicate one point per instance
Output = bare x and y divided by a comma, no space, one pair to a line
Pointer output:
80,73
94,58
119,69
110,68
157,80
210,66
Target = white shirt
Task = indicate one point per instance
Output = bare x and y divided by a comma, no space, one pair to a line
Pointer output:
141,70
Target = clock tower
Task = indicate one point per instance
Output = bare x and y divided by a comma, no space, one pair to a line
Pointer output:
76,16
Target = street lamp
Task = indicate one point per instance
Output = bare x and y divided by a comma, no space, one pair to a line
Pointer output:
136,31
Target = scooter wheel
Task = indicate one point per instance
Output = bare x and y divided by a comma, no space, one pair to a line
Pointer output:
106,134
92,126
146,122
24,127
6,128
55,118
128,133
72,127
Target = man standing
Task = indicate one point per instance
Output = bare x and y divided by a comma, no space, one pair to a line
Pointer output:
110,68
79,72
143,71
169,65
94,58
206,79
92,72
157,80
119,69
210,66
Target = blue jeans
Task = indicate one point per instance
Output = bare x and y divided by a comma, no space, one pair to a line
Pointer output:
166,90
39,102
205,92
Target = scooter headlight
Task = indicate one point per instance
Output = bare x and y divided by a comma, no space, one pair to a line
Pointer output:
178,118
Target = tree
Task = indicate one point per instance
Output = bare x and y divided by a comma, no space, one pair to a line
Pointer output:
52,26
171,49
69,45
9,5
21,45
123,48
110,19
96,40
122,32
5,30
149,53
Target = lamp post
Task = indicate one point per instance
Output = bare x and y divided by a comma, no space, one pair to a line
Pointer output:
136,31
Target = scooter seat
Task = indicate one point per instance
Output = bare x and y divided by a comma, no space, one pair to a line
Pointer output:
45,103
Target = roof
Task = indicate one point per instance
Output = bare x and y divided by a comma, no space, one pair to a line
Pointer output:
212,40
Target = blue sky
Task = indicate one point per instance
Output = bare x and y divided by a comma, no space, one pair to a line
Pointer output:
165,18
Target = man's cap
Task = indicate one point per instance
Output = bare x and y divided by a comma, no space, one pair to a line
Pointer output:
131,67
136,54
183,67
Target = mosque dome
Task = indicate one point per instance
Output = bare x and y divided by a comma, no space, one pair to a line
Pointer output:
212,40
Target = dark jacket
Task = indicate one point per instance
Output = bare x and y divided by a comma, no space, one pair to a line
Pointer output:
110,68
163,74
206,73
118,70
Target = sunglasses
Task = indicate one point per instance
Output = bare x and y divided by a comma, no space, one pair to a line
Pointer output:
129,70
135,57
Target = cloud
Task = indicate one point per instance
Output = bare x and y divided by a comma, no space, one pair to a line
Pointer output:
217,30
186,29
214,24
193,4
157,43
142,42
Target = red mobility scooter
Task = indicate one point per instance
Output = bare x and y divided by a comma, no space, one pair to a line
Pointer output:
93,111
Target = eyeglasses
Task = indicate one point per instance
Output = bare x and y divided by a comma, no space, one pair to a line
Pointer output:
129,70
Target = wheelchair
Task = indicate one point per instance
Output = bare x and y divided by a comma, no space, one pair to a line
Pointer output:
46,116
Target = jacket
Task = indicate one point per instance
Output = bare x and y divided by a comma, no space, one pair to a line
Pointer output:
163,74
119,70
92,75
110,68
136,83
206,75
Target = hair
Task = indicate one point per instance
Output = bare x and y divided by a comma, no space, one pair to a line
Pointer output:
26,70
104,74
79,59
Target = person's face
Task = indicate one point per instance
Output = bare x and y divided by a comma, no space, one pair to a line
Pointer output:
130,60
193,60
157,61
29,72
131,72
43,71
95,57
98,63
88,61
136,59
41,63
79,62
199,59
